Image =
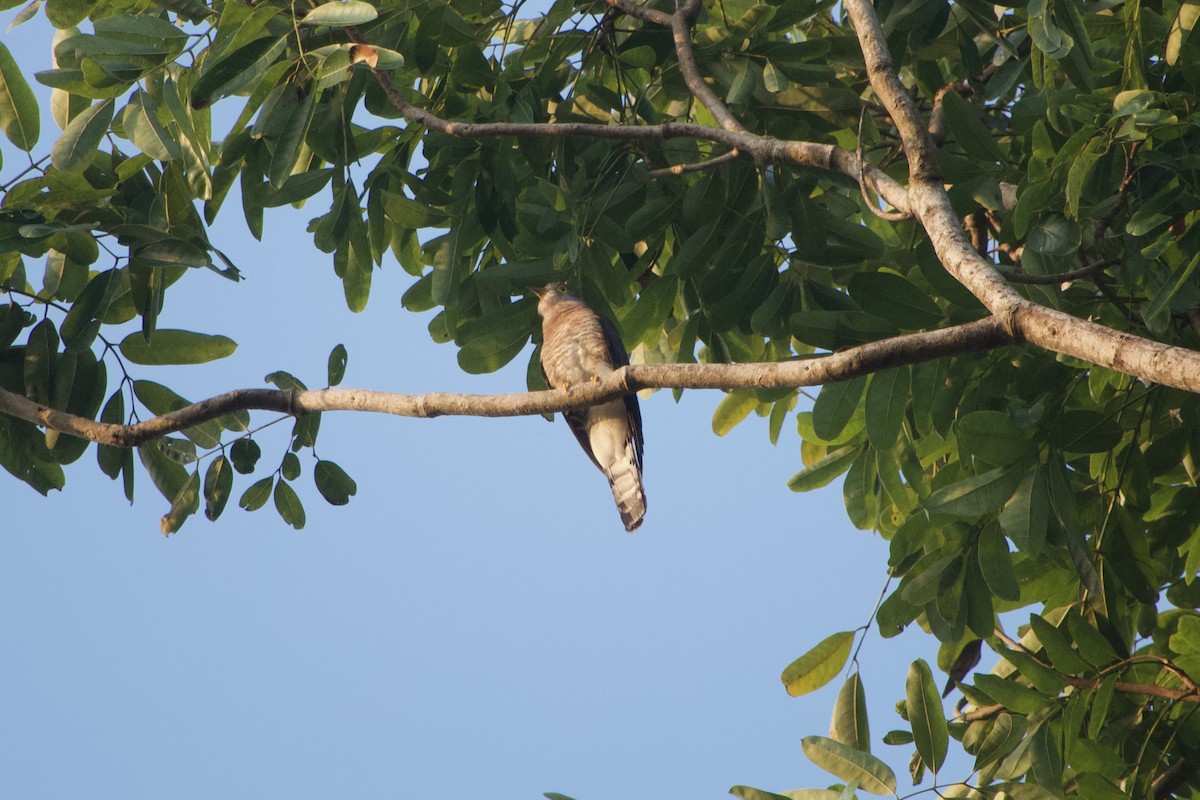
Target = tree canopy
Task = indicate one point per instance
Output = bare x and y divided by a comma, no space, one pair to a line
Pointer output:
973,225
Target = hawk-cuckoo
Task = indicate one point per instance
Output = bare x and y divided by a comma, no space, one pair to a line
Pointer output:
579,345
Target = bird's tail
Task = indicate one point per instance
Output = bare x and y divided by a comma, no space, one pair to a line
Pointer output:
626,482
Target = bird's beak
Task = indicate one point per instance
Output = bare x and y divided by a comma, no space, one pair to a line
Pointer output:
539,291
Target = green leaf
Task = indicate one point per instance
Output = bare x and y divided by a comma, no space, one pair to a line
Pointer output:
288,129
975,496
733,408
74,149
161,400
82,323
819,665
1058,647
235,71
750,793
290,467
338,14
167,474
849,725
176,347
185,503
886,404
41,351
284,380
245,453
835,405
925,713
337,364
966,125
894,297
1044,679
991,436
140,121
825,470
1092,644
257,495
849,764
995,562
1005,733
1011,694
1085,431
218,483
333,483
288,504
1026,515
20,118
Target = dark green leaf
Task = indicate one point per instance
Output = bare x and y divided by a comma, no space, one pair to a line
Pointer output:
886,404
75,148
995,562
333,483
287,503
337,364
245,453
1058,647
991,436
290,468
83,321
835,405
257,495
218,484
975,496
1027,513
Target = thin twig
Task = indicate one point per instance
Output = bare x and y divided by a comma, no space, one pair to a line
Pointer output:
698,166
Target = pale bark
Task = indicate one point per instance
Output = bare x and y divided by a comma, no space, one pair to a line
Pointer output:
913,348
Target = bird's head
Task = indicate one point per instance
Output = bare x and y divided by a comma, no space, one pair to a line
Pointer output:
551,294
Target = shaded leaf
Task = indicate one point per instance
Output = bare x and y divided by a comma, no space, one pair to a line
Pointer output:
288,504
75,148
218,483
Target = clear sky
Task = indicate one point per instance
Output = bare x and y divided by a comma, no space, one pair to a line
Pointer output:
474,623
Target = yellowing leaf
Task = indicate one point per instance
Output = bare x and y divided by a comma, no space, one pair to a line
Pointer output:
819,665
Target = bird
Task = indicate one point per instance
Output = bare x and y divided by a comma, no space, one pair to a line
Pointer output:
579,346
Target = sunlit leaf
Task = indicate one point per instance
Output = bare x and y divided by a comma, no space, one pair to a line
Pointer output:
849,764
176,347
819,665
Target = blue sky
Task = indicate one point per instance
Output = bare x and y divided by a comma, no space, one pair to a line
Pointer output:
475,621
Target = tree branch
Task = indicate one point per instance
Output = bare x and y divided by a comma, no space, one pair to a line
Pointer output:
913,348
762,148
1025,320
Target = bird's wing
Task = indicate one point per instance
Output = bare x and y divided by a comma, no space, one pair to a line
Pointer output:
633,411
576,421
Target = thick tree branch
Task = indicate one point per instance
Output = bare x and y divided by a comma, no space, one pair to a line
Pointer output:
984,334
1044,327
